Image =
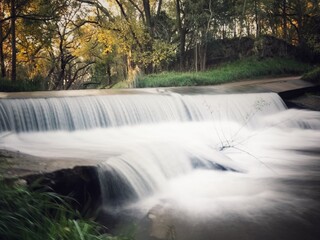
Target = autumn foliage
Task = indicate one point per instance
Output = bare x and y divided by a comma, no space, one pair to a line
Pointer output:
66,44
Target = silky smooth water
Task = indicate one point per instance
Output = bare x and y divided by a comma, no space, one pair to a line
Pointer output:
239,166
79,113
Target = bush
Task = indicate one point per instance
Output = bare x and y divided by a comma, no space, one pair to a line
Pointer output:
19,86
312,76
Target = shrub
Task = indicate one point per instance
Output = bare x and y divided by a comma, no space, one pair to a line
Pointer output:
312,76
19,86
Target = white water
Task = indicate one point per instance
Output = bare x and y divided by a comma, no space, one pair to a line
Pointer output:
195,162
78,113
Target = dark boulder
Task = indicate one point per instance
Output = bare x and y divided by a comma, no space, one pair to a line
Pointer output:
80,183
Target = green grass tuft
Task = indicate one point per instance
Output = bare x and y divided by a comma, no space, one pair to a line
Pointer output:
32,215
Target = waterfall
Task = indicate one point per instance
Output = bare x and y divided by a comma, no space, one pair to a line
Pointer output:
191,161
144,171
79,113
195,163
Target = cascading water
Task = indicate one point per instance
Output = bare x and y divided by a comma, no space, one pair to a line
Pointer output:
196,162
78,113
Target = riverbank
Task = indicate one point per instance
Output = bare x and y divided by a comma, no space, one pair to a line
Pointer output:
237,71
15,164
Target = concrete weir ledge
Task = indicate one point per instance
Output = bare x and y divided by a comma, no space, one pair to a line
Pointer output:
284,86
16,164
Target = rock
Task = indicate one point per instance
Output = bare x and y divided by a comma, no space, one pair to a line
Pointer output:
161,223
81,183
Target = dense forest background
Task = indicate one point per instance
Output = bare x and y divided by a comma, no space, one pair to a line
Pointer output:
66,44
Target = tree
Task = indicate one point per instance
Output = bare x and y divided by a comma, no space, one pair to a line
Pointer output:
65,43
182,34
11,21
13,41
2,38
66,64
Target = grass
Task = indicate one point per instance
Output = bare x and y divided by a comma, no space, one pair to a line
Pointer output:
122,84
230,72
32,215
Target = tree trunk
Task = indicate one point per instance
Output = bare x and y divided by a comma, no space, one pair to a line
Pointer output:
147,13
203,61
61,76
182,36
223,32
2,65
13,42
129,67
284,19
159,7
148,46
63,63
256,12
248,29
109,74
300,14
196,57
242,19
234,28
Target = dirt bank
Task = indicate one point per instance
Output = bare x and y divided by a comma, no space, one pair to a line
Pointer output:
16,164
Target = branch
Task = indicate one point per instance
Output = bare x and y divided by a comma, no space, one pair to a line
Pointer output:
75,76
294,25
98,5
130,26
6,35
30,17
77,26
139,9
